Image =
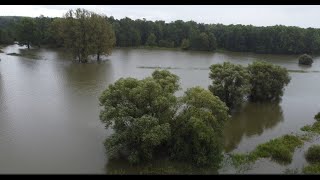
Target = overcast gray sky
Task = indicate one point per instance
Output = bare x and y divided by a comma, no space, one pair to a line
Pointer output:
303,15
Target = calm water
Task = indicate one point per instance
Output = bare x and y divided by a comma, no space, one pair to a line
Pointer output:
49,109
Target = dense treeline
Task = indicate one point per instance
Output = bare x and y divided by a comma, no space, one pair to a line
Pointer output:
179,34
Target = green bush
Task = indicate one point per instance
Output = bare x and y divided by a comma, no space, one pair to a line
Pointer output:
313,154
305,60
317,116
312,169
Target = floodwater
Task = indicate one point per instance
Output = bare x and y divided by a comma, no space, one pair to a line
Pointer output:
49,109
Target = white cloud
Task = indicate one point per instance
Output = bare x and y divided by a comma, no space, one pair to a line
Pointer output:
303,16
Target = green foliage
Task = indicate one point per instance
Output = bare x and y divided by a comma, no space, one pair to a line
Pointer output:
280,149
102,36
267,81
148,119
313,128
313,154
185,45
151,41
317,117
207,37
230,83
139,111
197,131
312,169
305,59
27,32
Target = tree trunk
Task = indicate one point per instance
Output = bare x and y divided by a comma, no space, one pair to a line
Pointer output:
98,56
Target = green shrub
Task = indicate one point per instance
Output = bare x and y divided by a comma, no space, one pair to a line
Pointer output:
313,154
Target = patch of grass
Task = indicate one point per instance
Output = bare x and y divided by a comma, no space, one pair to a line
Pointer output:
313,154
301,71
315,128
240,159
280,149
13,54
312,169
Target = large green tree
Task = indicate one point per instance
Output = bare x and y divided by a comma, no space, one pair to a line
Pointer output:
27,31
230,82
267,81
197,130
148,119
139,112
103,37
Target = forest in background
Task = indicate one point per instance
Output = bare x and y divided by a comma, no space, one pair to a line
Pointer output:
179,34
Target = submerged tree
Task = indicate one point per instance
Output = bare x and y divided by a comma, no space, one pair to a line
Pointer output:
139,112
267,81
27,31
197,130
103,36
148,119
230,83
305,59
85,33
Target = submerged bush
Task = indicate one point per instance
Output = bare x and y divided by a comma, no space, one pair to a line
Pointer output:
317,116
280,149
305,59
315,127
313,154
312,169
267,81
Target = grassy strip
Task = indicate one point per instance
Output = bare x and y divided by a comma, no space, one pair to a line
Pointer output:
280,149
312,169
315,127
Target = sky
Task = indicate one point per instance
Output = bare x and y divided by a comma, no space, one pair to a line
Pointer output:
258,15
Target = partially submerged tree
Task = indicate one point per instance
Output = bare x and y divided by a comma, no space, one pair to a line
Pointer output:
139,112
305,59
197,130
27,31
230,83
103,36
148,119
267,81
86,33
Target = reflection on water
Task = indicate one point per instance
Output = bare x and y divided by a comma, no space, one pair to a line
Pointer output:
251,119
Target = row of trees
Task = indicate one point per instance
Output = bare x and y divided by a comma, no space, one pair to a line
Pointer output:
177,34
207,37
259,82
149,120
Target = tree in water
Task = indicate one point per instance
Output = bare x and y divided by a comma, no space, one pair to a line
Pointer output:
230,83
27,31
267,81
86,33
305,59
148,119
103,36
